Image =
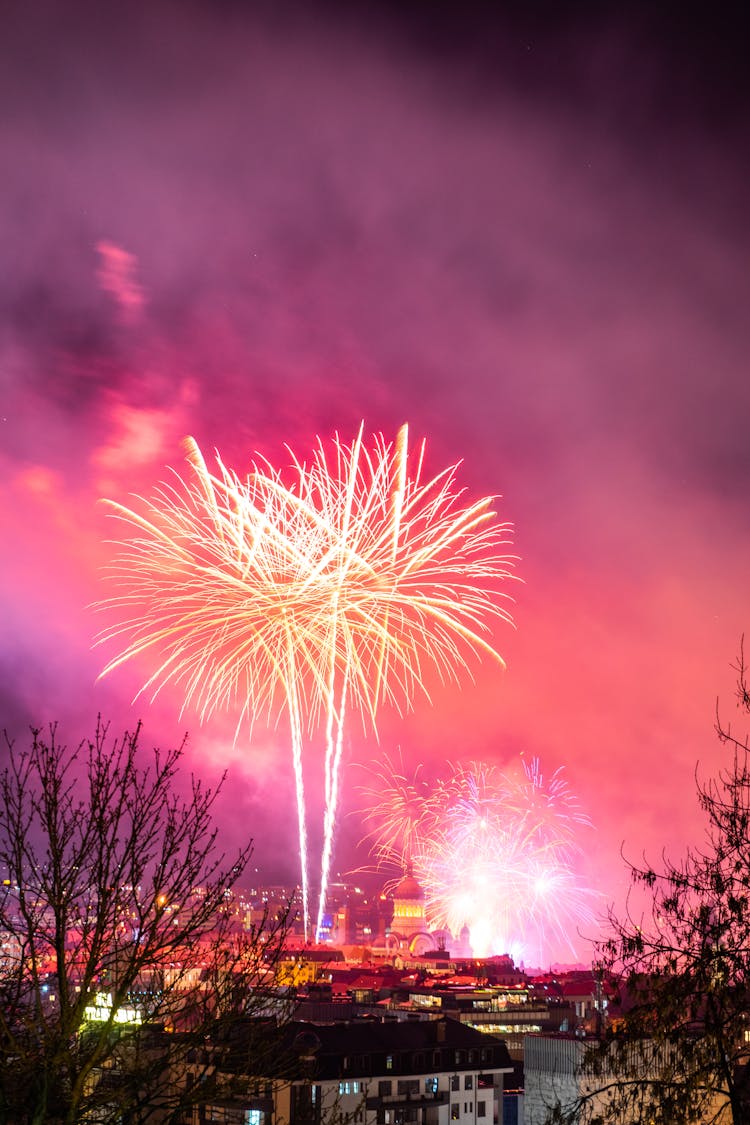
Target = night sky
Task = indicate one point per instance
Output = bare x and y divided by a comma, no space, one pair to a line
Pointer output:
525,235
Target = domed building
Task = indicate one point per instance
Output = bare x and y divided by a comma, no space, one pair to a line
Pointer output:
408,932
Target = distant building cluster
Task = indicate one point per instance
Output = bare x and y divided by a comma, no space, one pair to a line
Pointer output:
373,1072
383,986
384,1023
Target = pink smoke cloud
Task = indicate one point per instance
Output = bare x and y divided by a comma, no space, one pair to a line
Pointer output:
528,241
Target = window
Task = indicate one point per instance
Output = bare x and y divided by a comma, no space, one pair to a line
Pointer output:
384,1088
252,1117
468,1082
430,1085
408,1086
389,1062
455,1082
305,1104
481,1109
348,1087
455,1111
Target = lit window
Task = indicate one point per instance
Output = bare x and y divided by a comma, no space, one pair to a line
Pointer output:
252,1117
455,1111
348,1087
389,1062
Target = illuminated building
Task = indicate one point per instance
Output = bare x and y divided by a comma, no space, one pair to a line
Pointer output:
431,1072
408,930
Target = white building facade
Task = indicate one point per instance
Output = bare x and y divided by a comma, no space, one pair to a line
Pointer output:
427,1072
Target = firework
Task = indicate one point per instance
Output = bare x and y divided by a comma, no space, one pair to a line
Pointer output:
410,574
494,851
314,594
547,809
399,811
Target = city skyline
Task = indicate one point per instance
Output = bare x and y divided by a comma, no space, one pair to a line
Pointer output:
254,230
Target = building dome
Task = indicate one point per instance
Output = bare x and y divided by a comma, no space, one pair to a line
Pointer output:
409,889
408,932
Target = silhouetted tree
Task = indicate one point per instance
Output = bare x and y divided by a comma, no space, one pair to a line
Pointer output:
679,1051
119,950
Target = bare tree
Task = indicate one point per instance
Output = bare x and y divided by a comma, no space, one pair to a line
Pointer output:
679,1051
119,948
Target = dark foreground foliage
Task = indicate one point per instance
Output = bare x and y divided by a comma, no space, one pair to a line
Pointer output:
678,1049
119,950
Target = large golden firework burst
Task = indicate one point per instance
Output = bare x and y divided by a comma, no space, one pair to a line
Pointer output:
312,593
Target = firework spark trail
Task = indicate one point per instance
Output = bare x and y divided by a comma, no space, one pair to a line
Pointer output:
548,811
333,761
318,596
398,811
493,850
295,727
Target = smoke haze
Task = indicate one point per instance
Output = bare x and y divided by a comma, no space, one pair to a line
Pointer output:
526,236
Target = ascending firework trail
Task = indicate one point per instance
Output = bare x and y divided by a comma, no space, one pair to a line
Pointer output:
317,592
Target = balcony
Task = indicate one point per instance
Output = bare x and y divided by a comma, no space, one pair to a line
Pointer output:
386,1101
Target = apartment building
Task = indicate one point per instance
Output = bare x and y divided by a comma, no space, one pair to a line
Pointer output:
426,1072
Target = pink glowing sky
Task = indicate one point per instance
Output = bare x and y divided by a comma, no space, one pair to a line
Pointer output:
527,238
